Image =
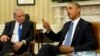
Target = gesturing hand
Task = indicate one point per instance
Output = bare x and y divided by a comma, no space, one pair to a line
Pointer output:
66,49
46,25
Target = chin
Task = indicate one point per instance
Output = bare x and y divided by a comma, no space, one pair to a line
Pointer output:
70,17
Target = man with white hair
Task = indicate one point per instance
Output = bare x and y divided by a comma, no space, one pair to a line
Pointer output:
17,34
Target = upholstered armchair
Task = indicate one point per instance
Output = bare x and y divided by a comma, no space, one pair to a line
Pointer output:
96,27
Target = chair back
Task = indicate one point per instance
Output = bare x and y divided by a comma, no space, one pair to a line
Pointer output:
96,28
32,43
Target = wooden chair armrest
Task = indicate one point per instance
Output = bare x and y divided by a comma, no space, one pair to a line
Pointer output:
32,43
98,50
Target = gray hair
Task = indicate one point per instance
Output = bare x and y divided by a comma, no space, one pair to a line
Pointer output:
17,9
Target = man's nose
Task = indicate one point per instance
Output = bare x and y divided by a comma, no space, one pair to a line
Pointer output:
22,17
68,12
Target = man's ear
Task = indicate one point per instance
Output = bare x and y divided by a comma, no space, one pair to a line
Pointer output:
79,10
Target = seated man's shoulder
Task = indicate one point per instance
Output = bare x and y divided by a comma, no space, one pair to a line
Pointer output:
85,22
10,22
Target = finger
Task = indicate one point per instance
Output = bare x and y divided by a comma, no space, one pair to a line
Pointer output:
8,38
0,39
61,50
5,39
15,47
42,20
61,46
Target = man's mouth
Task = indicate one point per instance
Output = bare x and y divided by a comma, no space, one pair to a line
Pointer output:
69,14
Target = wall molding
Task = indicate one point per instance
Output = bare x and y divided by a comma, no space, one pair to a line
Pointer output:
81,3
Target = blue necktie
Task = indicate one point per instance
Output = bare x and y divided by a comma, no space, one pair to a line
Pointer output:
68,35
19,31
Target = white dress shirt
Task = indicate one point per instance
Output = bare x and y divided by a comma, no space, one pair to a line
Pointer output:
15,37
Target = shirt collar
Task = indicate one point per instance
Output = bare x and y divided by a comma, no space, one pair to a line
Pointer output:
76,20
17,23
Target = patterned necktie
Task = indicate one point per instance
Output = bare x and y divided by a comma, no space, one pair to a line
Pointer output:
19,31
68,35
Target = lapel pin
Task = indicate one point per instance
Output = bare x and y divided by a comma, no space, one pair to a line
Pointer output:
78,28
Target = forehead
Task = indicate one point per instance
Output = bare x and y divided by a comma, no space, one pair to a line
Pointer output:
19,12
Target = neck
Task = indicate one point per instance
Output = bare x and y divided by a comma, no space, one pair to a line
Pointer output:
75,17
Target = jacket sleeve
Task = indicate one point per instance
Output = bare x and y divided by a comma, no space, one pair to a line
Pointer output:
53,36
6,29
30,33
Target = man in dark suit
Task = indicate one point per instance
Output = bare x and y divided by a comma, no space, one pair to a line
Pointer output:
81,35
17,34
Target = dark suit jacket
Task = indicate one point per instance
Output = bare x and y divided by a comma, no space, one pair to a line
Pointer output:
27,33
83,39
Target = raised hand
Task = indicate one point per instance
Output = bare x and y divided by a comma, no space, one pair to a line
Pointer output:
46,25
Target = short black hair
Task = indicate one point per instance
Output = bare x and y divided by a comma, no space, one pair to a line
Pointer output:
74,3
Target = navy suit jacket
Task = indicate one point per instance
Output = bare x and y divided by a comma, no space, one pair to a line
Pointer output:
27,33
83,39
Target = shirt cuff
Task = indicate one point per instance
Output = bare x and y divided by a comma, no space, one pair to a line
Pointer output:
24,42
48,31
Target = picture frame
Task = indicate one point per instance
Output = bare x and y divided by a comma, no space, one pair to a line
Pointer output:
25,2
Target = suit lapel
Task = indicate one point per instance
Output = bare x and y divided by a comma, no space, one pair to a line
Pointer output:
12,27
